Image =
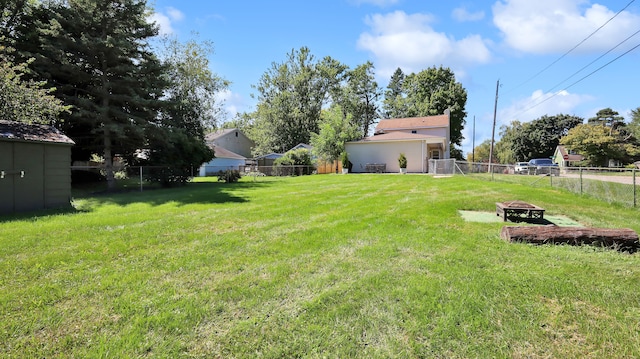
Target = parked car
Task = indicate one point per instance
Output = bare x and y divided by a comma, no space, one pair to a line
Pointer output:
543,166
521,168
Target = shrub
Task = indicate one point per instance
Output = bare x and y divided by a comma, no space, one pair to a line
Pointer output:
402,161
229,176
344,158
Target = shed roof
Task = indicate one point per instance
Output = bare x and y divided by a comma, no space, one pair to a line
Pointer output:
18,131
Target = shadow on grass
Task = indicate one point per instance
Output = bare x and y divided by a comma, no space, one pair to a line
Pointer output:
34,215
191,193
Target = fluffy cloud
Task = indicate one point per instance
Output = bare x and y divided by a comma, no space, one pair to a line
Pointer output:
408,41
462,14
551,26
166,19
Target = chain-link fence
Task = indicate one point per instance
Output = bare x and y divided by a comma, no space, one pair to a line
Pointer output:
93,178
613,185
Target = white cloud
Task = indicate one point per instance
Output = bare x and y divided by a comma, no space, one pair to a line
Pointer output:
461,14
175,14
166,20
550,26
408,41
540,104
232,103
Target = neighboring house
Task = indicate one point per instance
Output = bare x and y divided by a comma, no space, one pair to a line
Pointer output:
224,160
267,160
301,145
419,138
565,157
232,140
35,167
231,149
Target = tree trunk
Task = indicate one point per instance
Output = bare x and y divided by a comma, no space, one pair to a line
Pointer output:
623,238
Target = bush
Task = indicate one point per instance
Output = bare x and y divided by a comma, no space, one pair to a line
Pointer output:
229,176
344,158
402,161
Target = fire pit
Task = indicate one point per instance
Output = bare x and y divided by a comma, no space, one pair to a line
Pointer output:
518,211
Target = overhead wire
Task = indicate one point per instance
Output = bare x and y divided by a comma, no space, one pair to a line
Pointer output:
573,48
576,82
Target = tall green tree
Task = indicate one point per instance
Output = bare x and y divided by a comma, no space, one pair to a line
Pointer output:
291,95
607,117
430,92
25,101
634,125
335,130
540,137
362,95
189,108
96,54
394,104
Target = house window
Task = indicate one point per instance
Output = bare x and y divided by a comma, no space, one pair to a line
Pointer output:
435,154
414,131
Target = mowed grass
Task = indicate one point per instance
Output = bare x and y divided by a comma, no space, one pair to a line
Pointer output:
355,266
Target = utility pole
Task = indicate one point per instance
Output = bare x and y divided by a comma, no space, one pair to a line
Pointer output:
493,130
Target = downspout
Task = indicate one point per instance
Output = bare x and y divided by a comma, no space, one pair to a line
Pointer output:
424,159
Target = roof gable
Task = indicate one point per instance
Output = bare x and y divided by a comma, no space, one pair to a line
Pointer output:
18,131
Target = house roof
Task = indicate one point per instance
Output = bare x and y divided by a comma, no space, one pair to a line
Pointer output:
221,152
219,133
302,145
568,156
18,131
401,136
271,156
413,123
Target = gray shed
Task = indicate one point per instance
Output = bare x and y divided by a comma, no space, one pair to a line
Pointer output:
35,167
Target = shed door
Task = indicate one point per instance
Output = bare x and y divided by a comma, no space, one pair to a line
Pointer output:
29,190
6,182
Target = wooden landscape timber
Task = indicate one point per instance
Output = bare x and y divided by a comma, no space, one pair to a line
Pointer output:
623,239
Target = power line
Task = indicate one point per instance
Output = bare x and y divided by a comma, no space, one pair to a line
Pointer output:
592,62
576,82
584,67
573,48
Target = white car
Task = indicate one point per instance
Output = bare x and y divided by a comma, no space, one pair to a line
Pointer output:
521,168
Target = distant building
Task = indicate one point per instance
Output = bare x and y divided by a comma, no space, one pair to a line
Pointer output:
419,138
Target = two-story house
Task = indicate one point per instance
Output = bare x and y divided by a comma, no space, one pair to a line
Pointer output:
419,138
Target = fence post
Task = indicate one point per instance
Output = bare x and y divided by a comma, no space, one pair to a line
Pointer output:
634,189
140,178
581,181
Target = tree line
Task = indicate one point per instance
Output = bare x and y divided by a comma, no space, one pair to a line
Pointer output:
325,103
602,138
98,71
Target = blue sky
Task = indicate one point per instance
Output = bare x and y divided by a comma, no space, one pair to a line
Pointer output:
482,41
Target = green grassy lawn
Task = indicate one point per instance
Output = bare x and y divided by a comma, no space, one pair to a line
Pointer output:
355,266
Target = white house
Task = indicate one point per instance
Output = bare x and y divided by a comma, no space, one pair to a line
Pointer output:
231,148
224,160
419,138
